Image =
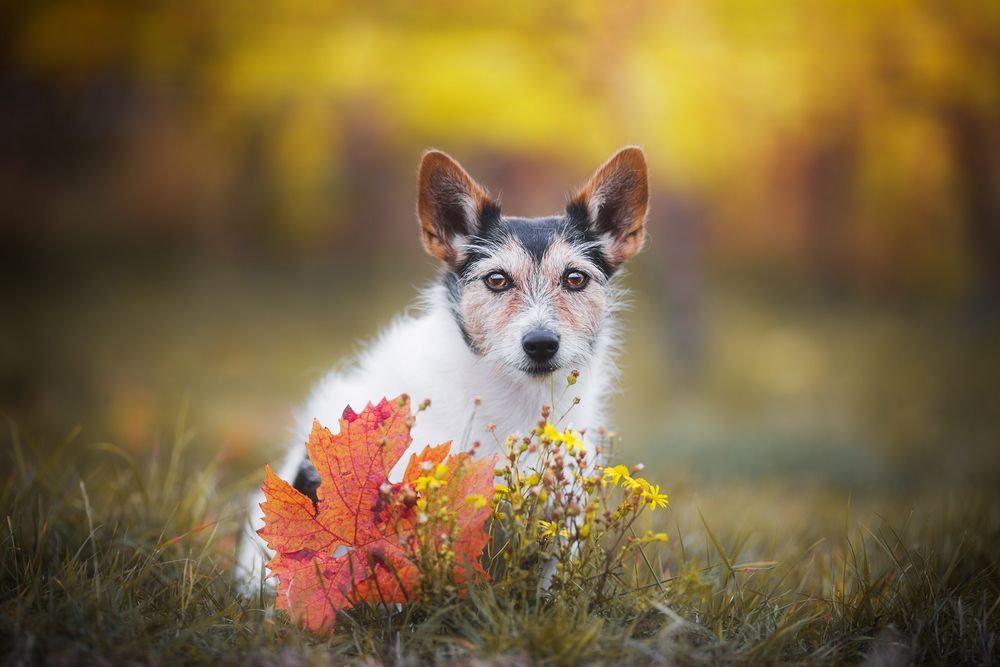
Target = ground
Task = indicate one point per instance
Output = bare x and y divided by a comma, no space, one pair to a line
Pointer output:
830,471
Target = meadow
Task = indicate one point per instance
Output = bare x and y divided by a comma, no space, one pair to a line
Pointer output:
796,534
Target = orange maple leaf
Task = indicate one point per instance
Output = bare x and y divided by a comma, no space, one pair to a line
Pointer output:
358,541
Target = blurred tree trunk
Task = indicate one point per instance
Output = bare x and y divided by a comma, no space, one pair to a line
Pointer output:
977,157
829,166
680,263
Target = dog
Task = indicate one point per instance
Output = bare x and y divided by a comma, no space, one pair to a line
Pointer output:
518,302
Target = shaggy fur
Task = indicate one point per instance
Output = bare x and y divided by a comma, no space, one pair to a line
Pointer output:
501,279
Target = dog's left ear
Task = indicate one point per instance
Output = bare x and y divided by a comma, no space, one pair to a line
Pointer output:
450,205
614,203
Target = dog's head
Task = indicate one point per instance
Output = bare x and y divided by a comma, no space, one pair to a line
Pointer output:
531,294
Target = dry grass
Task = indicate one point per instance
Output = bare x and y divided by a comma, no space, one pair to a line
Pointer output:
830,478
111,560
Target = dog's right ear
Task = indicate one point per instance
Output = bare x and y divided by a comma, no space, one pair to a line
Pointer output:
614,203
450,205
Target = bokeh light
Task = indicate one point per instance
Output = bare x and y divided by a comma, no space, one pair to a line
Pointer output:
206,205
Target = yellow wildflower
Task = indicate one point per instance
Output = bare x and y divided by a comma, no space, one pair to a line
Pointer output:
475,501
573,441
549,529
636,484
616,474
651,496
435,480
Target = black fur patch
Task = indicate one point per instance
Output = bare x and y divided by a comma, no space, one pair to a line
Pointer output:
578,214
579,230
307,481
535,234
490,215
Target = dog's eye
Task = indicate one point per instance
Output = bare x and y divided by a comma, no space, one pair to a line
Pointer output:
575,280
496,281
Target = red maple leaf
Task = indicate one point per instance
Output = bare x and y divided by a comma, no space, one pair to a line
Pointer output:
358,541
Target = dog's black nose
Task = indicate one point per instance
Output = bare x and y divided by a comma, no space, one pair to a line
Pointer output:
540,344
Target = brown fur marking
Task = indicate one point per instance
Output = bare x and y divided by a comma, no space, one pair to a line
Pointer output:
617,199
449,202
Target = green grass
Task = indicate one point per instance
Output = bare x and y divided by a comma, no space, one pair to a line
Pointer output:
842,455
108,559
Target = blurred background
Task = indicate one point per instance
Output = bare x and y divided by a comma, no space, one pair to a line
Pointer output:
205,205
